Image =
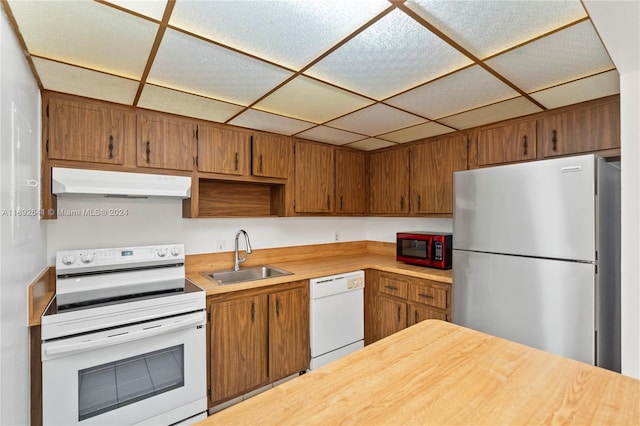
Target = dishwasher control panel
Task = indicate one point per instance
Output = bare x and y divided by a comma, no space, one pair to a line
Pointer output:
355,282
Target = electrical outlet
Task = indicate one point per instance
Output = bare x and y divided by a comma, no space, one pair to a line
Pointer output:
219,245
336,236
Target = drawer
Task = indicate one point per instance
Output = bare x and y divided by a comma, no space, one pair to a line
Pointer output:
429,294
393,285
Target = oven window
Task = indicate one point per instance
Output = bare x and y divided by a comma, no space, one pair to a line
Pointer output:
414,248
113,385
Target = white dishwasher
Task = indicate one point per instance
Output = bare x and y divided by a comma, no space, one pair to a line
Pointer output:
337,316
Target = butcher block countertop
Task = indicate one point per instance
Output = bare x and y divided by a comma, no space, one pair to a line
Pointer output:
440,373
307,262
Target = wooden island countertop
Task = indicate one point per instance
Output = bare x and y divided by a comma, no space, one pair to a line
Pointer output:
439,373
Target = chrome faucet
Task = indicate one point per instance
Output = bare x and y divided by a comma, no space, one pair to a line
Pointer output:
238,261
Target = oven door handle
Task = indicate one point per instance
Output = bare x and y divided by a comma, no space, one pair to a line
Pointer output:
196,318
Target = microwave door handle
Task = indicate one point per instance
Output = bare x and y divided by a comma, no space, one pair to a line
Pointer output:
188,321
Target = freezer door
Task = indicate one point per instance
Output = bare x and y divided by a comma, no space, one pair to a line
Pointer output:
541,209
546,304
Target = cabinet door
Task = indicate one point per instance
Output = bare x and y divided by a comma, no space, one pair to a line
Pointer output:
582,129
84,131
223,151
289,339
272,155
350,182
419,313
238,348
434,163
314,178
165,143
389,182
507,143
392,316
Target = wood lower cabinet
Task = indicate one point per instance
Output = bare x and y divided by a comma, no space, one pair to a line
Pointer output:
581,128
314,177
401,301
222,150
165,142
86,131
507,142
388,174
257,337
350,182
435,161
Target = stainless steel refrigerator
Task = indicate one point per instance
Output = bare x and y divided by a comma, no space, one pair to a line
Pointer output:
536,255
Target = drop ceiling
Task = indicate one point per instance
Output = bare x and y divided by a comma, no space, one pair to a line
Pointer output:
361,73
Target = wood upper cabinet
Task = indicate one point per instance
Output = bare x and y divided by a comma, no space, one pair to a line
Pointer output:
289,339
222,150
507,142
272,155
239,348
583,128
434,163
388,174
350,182
314,177
165,142
86,131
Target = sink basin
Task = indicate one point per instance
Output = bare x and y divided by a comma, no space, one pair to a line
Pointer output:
251,273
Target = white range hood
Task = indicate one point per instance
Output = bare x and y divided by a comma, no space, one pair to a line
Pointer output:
118,184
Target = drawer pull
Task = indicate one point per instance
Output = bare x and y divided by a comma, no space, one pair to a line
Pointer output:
399,309
426,296
391,287
415,315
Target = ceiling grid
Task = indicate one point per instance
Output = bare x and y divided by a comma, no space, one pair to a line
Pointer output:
361,73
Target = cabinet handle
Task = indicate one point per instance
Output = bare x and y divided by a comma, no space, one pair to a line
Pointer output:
524,145
554,140
415,316
260,161
110,146
399,308
236,161
402,203
341,204
328,202
253,311
277,307
148,151
391,287
426,296
419,201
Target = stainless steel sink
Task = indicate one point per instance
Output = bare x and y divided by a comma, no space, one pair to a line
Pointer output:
251,273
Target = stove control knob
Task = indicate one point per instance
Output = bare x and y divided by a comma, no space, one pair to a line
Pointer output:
87,257
162,252
68,259
175,251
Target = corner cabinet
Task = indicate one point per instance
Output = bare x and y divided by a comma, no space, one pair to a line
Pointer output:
86,131
165,142
350,182
388,174
257,337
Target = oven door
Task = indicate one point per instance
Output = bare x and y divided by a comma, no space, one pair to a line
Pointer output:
152,372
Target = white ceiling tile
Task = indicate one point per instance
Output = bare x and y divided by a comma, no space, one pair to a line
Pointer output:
259,120
492,113
311,100
370,144
87,34
394,54
375,120
175,102
567,55
79,81
289,32
151,8
457,92
415,133
587,88
485,28
330,135
192,65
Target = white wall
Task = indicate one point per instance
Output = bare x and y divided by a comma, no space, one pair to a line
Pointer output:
22,238
160,221
617,23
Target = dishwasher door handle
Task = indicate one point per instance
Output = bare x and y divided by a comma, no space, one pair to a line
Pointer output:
56,348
